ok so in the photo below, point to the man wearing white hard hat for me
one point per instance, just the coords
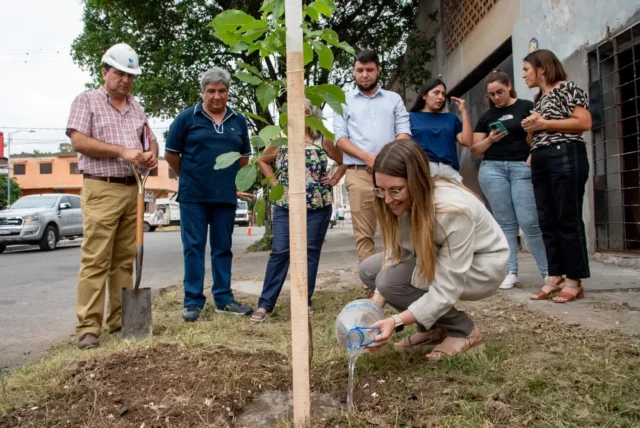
(110, 132)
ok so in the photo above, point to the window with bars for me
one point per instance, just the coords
(19, 169)
(460, 17)
(46, 168)
(614, 89)
(73, 168)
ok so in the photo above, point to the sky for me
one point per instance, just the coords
(38, 78)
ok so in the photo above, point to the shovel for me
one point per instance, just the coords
(136, 301)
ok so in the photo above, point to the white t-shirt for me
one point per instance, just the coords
(340, 212)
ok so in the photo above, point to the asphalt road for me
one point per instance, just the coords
(38, 289)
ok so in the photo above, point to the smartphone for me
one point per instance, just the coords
(498, 127)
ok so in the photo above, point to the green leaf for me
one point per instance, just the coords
(347, 48)
(322, 8)
(334, 90)
(276, 193)
(226, 160)
(270, 132)
(258, 210)
(231, 20)
(330, 4)
(317, 125)
(331, 94)
(266, 94)
(324, 54)
(248, 78)
(238, 47)
(278, 8)
(312, 12)
(227, 38)
(279, 142)
(246, 178)
(255, 117)
(284, 120)
(307, 51)
(331, 37)
(266, 180)
(250, 68)
(257, 142)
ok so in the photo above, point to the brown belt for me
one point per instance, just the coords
(357, 167)
(129, 181)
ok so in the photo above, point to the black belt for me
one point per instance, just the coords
(129, 181)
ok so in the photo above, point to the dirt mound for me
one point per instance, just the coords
(158, 387)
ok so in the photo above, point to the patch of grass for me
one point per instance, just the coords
(262, 244)
(559, 375)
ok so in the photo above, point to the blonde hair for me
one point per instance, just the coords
(406, 159)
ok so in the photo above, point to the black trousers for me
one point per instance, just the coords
(559, 174)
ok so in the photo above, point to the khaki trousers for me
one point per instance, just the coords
(363, 215)
(108, 251)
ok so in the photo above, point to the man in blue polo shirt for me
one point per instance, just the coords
(207, 196)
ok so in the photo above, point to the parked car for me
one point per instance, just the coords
(41, 220)
(242, 213)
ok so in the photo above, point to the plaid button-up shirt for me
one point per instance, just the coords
(93, 115)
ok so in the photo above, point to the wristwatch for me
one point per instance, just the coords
(399, 324)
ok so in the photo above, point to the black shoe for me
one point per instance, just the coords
(235, 308)
(191, 313)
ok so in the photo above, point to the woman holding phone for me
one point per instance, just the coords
(505, 176)
(438, 132)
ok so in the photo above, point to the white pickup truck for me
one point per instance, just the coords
(171, 217)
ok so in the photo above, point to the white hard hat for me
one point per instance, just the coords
(122, 57)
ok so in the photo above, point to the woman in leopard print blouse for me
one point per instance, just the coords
(559, 172)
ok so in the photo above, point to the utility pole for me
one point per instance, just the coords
(31, 131)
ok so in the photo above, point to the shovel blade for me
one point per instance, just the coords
(136, 313)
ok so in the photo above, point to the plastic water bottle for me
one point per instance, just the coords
(353, 325)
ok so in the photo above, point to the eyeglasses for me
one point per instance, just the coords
(394, 193)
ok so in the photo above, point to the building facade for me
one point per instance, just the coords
(599, 45)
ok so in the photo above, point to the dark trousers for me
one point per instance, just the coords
(278, 265)
(195, 219)
(559, 174)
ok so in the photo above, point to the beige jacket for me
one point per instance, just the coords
(472, 253)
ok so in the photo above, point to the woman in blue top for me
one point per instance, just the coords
(438, 131)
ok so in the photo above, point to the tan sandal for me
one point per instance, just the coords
(570, 293)
(452, 346)
(367, 292)
(548, 290)
(423, 338)
(258, 316)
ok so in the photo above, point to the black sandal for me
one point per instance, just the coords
(258, 316)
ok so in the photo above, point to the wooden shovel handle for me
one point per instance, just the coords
(140, 220)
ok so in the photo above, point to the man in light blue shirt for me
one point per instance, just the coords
(373, 117)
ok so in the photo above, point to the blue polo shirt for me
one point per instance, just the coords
(199, 140)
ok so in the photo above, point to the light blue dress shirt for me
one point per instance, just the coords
(371, 122)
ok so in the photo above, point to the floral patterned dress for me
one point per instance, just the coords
(318, 195)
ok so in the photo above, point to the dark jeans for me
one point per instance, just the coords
(278, 266)
(559, 174)
(195, 218)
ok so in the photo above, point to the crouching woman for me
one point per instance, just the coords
(440, 246)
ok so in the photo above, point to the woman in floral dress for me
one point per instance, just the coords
(319, 192)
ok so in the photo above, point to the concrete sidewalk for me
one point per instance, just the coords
(612, 294)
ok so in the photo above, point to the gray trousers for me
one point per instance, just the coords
(394, 284)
